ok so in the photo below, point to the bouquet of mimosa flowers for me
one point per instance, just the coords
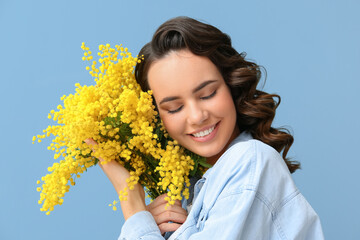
(122, 119)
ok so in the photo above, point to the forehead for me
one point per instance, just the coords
(180, 72)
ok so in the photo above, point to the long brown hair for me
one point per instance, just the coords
(255, 108)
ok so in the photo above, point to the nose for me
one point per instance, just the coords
(197, 114)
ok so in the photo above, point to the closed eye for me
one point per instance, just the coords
(202, 98)
(175, 111)
(209, 96)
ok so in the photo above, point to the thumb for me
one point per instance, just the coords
(90, 142)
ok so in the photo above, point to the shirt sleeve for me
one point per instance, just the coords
(298, 220)
(141, 225)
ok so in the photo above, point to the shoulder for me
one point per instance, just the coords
(247, 160)
(249, 151)
(252, 175)
(251, 165)
(245, 150)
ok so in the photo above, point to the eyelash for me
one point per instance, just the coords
(208, 97)
(175, 111)
(202, 98)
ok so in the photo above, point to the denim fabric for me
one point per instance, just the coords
(247, 194)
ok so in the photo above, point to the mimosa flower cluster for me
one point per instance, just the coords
(123, 121)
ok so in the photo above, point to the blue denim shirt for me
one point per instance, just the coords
(247, 194)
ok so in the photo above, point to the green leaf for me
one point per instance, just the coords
(205, 164)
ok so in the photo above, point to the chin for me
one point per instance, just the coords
(206, 152)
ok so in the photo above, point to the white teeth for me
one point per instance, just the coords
(204, 133)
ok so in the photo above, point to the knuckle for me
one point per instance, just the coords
(168, 214)
(170, 208)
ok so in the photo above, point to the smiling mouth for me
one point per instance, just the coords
(205, 132)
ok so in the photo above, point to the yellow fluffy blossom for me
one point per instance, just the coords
(121, 118)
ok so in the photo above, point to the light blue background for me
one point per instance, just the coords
(310, 48)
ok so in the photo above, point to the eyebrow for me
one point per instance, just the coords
(198, 88)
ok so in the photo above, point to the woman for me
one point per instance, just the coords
(205, 92)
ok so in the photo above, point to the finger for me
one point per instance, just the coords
(116, 173)
(160, 200)
(162, 208)
(168, 227)
(168, 216)
(90, 141)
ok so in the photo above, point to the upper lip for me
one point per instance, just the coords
(203, 129)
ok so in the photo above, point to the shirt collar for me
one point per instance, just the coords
(243, 136)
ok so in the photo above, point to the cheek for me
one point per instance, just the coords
(171, 124)
(225, 105)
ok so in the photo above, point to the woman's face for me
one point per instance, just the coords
(194, 103)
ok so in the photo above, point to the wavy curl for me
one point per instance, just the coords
(255, 109)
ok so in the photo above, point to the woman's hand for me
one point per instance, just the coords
(174, 213)
(117, 175)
